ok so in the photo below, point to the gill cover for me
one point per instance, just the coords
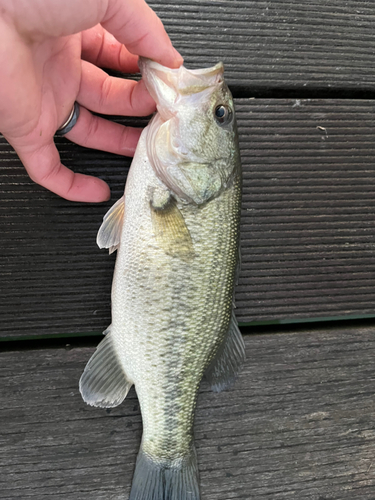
(189, 151)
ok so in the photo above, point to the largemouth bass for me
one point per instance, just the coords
(176, 231)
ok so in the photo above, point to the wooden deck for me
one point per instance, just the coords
(298, 424)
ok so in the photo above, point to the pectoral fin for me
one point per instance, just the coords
(170, 229)
(103, 382)
(109, 234)
(224, 369)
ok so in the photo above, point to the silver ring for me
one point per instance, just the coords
(70, 122)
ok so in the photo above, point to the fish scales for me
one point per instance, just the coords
(172, 318)
(174, 311)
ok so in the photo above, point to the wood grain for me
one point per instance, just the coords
(308, 224)
(283, 47)
(297, 424)
(308, 209)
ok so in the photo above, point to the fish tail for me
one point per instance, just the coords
(161, 480)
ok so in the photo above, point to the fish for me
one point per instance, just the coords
(177, 234)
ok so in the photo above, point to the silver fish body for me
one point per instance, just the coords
(177, 235)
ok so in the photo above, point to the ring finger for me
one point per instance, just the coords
(95, 132)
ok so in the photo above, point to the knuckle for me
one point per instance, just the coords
(105, 91)
(41, 167)
(91, 131)
(124, 138)
(43, 176)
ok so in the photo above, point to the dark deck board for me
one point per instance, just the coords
(308, 224)
(297, 424)
(283, 46)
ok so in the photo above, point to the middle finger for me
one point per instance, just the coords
(108, 95)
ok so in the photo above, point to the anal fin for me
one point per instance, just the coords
(103, 382)
(224, 368)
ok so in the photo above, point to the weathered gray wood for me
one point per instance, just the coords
(308, 209)
(308, 224)
(297, 424)
(279, 47)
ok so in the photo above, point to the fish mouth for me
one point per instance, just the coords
(181, 80)
(145, 63)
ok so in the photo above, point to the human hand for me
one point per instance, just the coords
(50, 54)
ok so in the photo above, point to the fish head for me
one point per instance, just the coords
(192, 140)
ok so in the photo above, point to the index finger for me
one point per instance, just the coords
(137, 26)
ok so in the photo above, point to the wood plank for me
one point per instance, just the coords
(278, 47)
(297, 424)
(307, 224)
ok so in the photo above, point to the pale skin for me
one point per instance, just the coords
(51, 53)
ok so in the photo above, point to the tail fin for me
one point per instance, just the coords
(176, 480)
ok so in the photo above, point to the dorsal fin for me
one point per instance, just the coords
(109, 233)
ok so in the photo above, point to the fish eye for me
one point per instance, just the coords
(223, 114)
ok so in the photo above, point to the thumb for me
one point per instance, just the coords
(44, 167)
